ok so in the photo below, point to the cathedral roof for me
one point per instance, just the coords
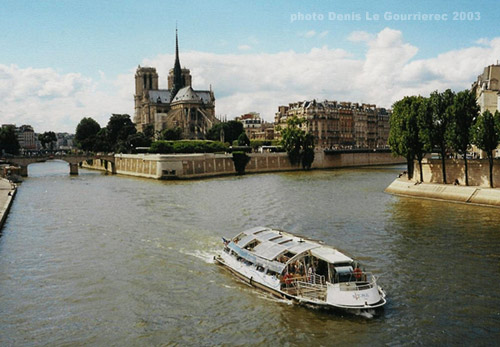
(187, 94)
(205, 95)
(164, 95)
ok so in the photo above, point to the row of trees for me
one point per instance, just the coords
(446, 123)
(119, 135)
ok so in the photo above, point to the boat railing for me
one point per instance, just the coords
(316, 279)
(311, 290)
(364, 281)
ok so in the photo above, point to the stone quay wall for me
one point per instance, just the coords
(447, 192)
(7, 193)
(189, 166)
(479, 174)
(478, 192)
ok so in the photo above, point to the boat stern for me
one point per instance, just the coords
(355, 295)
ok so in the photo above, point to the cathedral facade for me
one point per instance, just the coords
(177, 106)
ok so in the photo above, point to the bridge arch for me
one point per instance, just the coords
(73, 160)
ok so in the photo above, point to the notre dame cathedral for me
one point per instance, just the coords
(178, 106)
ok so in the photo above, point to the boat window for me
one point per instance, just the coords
(289, 255)
(271, 273)
(275, 238)
(260, 268)
(342, 273)
(252, 245)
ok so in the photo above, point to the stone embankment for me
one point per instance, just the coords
(7, 193)
(194, 166)
(447, 192)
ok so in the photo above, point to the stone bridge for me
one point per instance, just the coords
(73, 160)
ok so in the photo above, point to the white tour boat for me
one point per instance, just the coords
(301, 269)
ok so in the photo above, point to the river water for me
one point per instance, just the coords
(112, 260)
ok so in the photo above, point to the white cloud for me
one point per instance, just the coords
(249, 81)
(244, 47)
(360, 36)
(312, 33)
(483, 41)
(49, 100)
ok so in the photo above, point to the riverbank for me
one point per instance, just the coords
(463, 194)
(7, 193)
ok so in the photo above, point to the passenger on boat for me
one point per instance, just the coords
(358, 273)
(310, 274)
(299, 268)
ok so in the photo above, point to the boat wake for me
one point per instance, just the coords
(206, 256)
(365, 313)
(269, 297)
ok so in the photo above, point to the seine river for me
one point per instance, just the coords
(111, 260)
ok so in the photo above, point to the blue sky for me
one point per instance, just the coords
(71, 49)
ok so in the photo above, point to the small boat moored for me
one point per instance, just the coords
(297, 268)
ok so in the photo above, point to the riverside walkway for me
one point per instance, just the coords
(448, 192)
(7, 193)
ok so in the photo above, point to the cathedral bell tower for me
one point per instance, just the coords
(146, 79)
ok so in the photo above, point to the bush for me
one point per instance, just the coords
(243, 140)
(240, 160)
(240, 149)
(162, 147)
(255, 144)
(196, 146)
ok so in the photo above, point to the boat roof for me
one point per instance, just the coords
(273, 243)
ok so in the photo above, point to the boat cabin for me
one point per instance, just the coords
(292, 258)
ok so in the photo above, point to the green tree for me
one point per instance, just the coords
(119, 128)
(441, 104)
(138, 140)
(86, 132)
(48, 138)
(243, 140)
(464, 112)
(8, 140)
(297, 142)
(240, 160)
(406, 138)
(101, 142)
(233, 131)
(149, 131)
(171, 134)
(307, 151)
(229, 131)
(486, 135)
(424, 124)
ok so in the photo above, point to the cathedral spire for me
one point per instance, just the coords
(178, 80)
